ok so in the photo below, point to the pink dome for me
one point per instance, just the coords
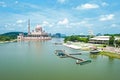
(38, 28)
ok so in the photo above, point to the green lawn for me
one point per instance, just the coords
(113, 55)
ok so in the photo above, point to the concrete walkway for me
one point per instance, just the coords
(112, 49)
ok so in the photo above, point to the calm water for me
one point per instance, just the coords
(35, 60)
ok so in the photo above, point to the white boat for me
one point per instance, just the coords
(94, 51)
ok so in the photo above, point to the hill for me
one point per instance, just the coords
(10, 36)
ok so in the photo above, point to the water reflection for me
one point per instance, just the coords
(111, 59)
(93, 56)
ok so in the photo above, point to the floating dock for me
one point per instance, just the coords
(82, 62)
(62, 54)
(74, 57)
(76, 54)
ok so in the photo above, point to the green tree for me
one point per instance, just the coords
(75, 38)
(117, 43)
(111, 41)
(5, 38)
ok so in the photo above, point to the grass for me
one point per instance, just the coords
(113, 55)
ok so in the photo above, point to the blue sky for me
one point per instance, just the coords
(64, 16)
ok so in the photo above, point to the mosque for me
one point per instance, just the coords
(37, 34)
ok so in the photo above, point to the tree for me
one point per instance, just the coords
(111, 40)
(5, 38)
(118, 43)
(75, 38)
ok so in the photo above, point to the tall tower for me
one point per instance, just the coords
(28, 26)
(91, 34)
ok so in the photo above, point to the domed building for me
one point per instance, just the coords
(36, 34)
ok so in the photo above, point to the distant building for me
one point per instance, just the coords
(100, 40)
(59, 35)
(99, 34)
(37, 34)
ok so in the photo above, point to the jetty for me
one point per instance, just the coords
(74, 57)
(58, 43)
(63, 54)
(75, 54)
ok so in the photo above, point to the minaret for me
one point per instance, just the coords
(28, 26)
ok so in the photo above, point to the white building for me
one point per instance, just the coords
(100, 40)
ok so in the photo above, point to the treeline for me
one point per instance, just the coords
(5, 38)
(76, 38)
(112, 34)
(10, 36)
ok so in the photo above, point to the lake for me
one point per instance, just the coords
(35, 60)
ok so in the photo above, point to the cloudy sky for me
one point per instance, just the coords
(64, 16)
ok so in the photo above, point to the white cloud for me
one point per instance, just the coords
(45, 23)
(20, 21)
(63, 22)
(9, 26)
(61, 1)
(87, 6)
(34, 6)
(113, 25)
(104, 4)
(16, 2)
(51, 25)
(106, 17)
(82, 23)
(3, 4)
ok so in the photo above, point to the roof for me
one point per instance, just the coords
(101, 38)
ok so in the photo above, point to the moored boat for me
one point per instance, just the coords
(61, 53)
(82, 62)
(94, 51)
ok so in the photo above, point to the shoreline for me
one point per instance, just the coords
(89, 46)
(2, 42)
(110, 54)
(106, 51)
(79, 45)
(71, 46)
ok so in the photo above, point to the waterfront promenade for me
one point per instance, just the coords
(112, 49)
(88, 46)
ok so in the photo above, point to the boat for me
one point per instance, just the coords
(83, 62)
(95, 51)
(58, 43)
(61, 53)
